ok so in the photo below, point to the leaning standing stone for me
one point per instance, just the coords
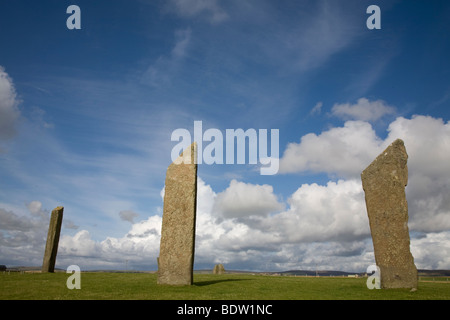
(176, 256)
(51, 247)
(384, 182)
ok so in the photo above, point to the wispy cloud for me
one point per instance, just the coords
(160, 73)
(322, 30)
(317, 109)
(323, 34)
(210, 10)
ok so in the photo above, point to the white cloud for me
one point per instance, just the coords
(242, 200)
(342, 151)
(432, 251)
(140, 246)
(80, 245)
(323, 213)
(364, 110)
(346, 151)
(146, 228)
(22, 237)
(427, 142)
(9, 112)
(331, 213)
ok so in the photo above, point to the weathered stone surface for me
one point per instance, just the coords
(176, 256)
(51, 247)
(218, 269)
(384, 182)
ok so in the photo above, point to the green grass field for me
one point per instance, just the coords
(139, 286)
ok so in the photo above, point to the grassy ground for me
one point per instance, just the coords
(138, 286)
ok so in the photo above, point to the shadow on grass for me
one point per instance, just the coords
(210, 282)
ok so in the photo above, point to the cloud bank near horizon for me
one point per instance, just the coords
(249, 226)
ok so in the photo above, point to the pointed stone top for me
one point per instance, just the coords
(189, 155)
(396, 147)
(389, 167)
(397, 144)
(394, 154)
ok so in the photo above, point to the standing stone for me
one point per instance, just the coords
(218, 269)
(176, 256)
(51, 248)
(384, 182)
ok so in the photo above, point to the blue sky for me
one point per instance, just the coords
(86, 118)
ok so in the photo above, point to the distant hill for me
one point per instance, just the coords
(321, 273)
(327, 273)
(29, 269)
(434, 273)
(309, 273)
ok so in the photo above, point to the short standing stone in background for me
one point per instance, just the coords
(51, 247)
(384, 182)
(176, 256)
(218, 269)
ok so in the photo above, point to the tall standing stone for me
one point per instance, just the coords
(384, 182)
(51, 247)
(176, 256)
